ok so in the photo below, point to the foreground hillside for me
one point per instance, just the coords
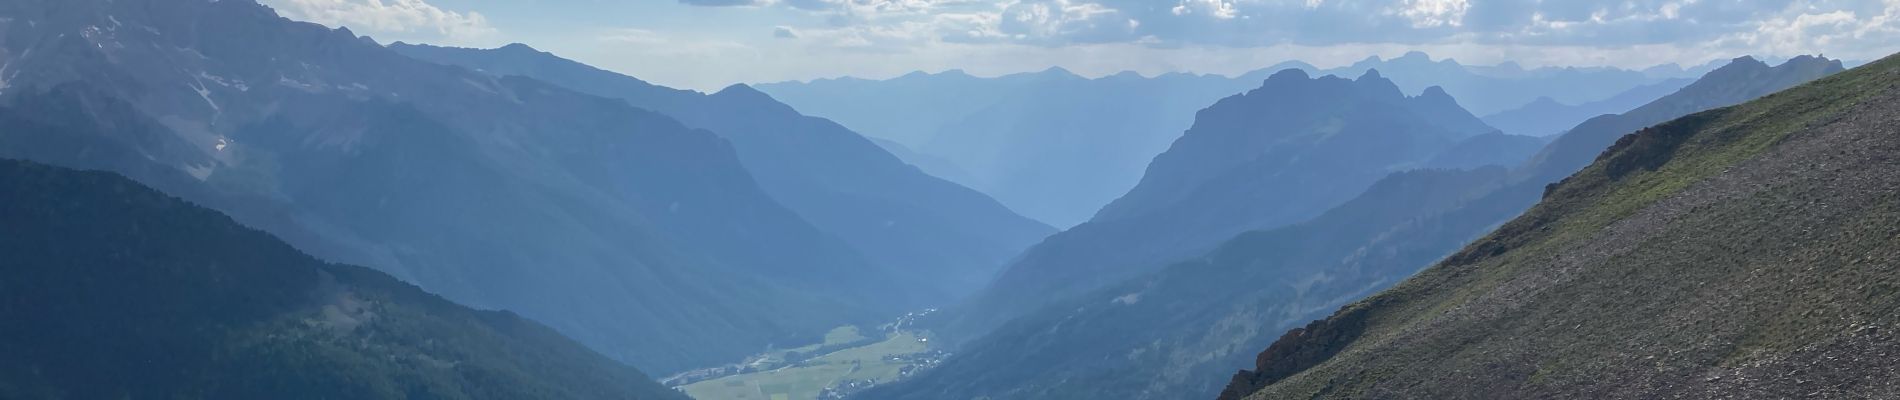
(1747, 251)
(114, 290)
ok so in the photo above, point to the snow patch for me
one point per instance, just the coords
(205, 93)
(480, 86)
(202, 172)
(1127, 299)
(300, 85)
(225, 82)
(6, 78)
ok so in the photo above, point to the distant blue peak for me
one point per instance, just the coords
(1289, 73)
(1058, 71)
(740, 90)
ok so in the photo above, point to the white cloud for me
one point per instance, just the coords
(1065, 20)
(769, 40)
(1805, 30)
(396, 19)
(1433, 13)
(1220, 9)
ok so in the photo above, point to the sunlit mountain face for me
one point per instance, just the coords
(970, 199)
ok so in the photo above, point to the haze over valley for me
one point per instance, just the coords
(948, 200)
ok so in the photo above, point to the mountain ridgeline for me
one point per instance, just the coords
(1184, 326)
(1052, 145)
(204, 199)
(1742, 251)
(944, 239)
(1057, 147)
(114, 290)
(1274, 156)
(639, 236)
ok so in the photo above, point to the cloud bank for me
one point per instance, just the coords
(1739, 25)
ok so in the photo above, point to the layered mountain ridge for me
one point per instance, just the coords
(1274, 156)
(635, 234)
(1742, 251)
(1180, 325)
(1057, 147)
(934, 234)
(117, 291)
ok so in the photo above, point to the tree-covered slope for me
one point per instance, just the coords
(1747, 251)
(113, 290)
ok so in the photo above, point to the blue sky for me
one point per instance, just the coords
(708, 44)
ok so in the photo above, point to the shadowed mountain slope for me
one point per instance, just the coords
(1186, 326)
(620, 227)
(1057, 147)
(1547, 117)
(943, 240)
(1274, 156)
(114, 290)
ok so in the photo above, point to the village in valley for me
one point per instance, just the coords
(850, 360)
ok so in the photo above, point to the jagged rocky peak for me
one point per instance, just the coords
(1377, 85)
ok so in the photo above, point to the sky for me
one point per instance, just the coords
(710, 44)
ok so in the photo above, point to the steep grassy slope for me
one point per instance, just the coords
(1747, 251)
(114, 290)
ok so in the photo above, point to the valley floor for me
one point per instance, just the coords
(847, 362)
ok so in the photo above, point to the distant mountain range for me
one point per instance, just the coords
(938, 239)
(1547, 117)
(1274, 156)
(1057, 147)
(646, 239)
(1184, 326)
(1741, 251)
(114, 290)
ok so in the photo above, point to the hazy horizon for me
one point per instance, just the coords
(710, 44)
